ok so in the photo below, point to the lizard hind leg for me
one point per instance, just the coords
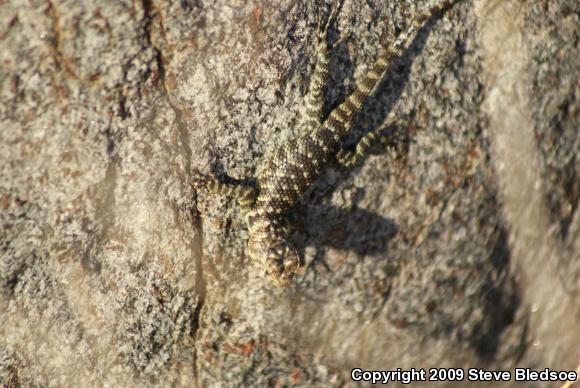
(349, 159)
(369, 141)
(314, 100)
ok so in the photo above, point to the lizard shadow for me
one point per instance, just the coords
(354, 229)
(365, 233)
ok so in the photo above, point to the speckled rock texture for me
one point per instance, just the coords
(461, 249)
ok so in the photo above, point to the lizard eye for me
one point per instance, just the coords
(275, 252)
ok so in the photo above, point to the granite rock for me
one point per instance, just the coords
(462, 249)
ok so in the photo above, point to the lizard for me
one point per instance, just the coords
(296, 164)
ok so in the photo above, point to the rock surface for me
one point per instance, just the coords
(460, 250)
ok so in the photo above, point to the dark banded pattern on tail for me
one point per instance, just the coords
(340, 120)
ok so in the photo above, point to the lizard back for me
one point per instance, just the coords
(292, 170)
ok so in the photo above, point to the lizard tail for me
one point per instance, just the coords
(341, 118)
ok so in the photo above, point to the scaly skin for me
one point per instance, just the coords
(299, 162)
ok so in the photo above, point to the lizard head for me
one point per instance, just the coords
(282, 263)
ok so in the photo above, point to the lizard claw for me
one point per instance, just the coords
(200, 181)
(323, 26)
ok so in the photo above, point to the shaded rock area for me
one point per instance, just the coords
(460, 249)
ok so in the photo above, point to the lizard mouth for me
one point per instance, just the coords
(282, 264)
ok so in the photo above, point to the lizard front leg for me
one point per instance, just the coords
(244, 194)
